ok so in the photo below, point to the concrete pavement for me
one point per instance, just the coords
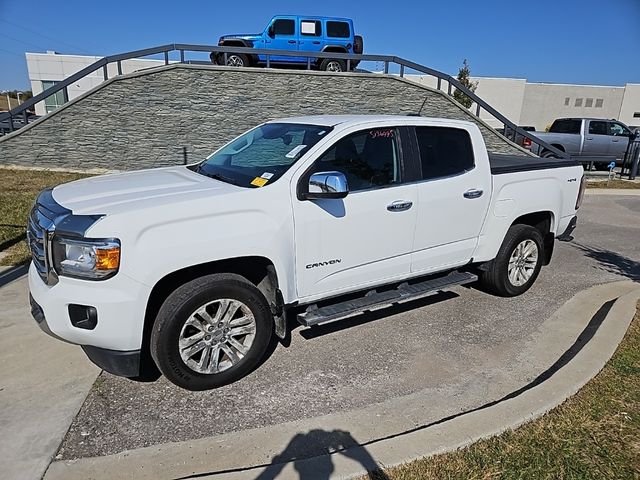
(43, 384)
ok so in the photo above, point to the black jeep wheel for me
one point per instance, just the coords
(211, 331)
(236, 60)
(333, 65)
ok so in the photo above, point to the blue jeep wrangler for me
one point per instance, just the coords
(295, 33)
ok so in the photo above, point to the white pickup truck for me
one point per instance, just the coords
(193, 269)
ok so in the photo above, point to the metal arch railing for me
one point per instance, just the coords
(387, 60)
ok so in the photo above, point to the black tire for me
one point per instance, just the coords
(495, 278)
(358, 44)
(236, 60)
(601, 167)
(333, 65)
(182, 304)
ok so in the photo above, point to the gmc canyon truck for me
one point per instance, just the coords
(194, 269)
(295, 33)
(597, 140)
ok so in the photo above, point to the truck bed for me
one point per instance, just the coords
(501, 163)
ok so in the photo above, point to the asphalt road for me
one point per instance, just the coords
(465, 348)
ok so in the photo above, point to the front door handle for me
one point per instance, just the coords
(292, 41)
(473, 193)
(316, 42)
(399, 206)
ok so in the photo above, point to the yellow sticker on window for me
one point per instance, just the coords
(259, 182)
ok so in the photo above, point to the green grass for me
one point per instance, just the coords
(18, 189)
(593, 435)
(616, 183)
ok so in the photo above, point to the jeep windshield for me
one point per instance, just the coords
(262, 155)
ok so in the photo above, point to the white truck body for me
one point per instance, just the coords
(171, 219)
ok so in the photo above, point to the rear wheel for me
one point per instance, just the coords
(549, 154)
(211, 331)
(517, 264)
(333, 65)
(236, 60)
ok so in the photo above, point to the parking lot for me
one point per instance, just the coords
(457, 350)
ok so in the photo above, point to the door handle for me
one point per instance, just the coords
(589, 138)
(316, 42)
(473, 193)
(399, 206)
(292, 41)
(615, 140)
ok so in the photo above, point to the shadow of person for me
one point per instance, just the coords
(319, 444)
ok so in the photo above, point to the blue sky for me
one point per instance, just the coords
(557, 41)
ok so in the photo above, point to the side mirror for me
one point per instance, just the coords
(270, 31)
(327, 185)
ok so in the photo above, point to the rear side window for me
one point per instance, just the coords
(566, 126)
(284, 26)
(444, 151)
(598, 128)
(338, 30)
(311, 28)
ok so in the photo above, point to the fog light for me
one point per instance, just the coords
(83, 316)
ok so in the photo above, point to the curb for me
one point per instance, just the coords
(595, 320)
(613, 191)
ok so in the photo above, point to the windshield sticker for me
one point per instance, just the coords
(381, 133)
(259, 182)
(267, 175)
(295, 151)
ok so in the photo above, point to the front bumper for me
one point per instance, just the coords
(120, 303)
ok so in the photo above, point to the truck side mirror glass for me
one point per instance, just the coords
(327, 185)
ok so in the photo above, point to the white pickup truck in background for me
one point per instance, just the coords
(194, 269)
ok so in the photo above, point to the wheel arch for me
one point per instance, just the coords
(259, 270)
(544, 222)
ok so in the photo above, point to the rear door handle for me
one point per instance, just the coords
(316, 42)
(292, 41)
(473, 193)
(399, 206)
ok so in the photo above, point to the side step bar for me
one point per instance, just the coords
(374, 300)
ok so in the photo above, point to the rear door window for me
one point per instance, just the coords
(566, 126)
(284, 26)
(338, 29)
(444, 151)
(312, 28)
(598, 128)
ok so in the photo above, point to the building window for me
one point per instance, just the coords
(599, 102)
(53, 101)
(636, 114)
(588, 102)
(566, 101)
(578, 102)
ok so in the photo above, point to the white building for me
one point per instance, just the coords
(524, 103)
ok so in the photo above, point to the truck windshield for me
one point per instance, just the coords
(262, 155)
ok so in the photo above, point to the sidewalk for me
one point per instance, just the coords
(43, 384)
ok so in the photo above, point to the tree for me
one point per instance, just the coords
(463, 77)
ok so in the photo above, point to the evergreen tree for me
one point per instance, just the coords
(463, 77)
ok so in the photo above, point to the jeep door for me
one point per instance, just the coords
(310, 38)
(282, 34)
(453, 196)
(362, 239)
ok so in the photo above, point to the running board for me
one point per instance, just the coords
(374, 300)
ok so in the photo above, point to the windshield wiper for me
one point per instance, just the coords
(217, 176)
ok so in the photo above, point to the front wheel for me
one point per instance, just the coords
(211, 331)
(333, 65)
(517, 264)
(236, 60)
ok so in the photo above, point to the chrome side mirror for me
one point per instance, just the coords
(327, 185)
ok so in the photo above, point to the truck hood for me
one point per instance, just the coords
(110, 194)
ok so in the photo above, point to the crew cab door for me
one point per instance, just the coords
(282, 34)
(596, 138)
(453, 196)
(362, 239)
(619, 136)
(310, 38)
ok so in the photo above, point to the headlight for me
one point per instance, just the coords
(85, 258)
